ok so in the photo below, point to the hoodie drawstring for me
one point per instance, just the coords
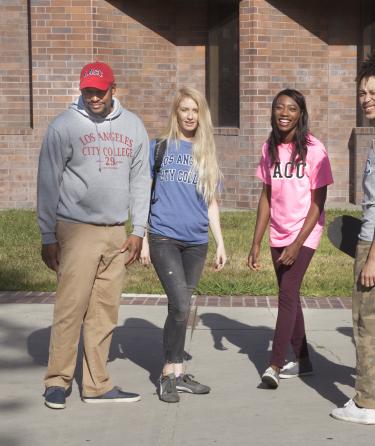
(100, 147)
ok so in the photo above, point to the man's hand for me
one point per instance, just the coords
(368, 273)
(133, 245)
(51, 255)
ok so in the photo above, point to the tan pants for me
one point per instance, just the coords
(90, 280)
(364, 332)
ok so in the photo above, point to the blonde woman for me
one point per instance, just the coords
(183, 208)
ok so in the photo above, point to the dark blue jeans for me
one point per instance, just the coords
(179, 266)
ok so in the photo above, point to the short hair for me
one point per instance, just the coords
(366, 68)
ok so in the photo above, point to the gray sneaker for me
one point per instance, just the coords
(295, 369)
(186, 383)
(271, 378)
(167, 389)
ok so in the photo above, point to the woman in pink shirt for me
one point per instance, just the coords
(295, 171)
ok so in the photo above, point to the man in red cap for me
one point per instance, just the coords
(93, 169)
(96, 79)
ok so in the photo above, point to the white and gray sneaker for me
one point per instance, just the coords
(295, 369)
(186, 383)
(271, 378)
(351, 412)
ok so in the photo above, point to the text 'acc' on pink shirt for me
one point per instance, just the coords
(291, 191)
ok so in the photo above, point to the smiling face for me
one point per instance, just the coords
(187, 117)
(366, 95)
(98, 102)
(286, 115)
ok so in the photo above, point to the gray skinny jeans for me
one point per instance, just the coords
(179, 266)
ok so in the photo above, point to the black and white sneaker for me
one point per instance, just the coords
(186, 383)
(54, 397)
(167, 389)
(295, 369)
(116, 395)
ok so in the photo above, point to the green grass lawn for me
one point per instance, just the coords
(330, 273)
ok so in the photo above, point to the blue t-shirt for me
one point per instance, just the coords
(179, 212)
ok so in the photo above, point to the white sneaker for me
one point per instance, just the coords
(350, 412)
(295, 369)
(271, 378)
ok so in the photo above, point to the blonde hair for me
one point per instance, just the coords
(205, 163)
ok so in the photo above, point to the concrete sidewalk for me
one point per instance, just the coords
(229, 348)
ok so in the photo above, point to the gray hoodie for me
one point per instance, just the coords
(368, 203)
(93, 170)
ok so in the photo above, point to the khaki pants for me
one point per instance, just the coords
(90, 280)
(364, 332)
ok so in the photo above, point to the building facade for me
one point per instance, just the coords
(239, 53)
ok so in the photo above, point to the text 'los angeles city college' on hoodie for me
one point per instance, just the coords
(93, 170)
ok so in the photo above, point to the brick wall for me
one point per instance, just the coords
(61, 43)
(310, 47)
(14, 65)
(155, 47)
(144, 62)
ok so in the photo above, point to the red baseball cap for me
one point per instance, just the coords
(96, 75)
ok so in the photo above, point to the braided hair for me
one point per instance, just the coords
(301, 135)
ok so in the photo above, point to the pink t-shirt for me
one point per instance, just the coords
(291, 191)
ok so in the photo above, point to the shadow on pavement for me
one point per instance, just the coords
(8, 441)
(13, 337)
(141, 342)
(38, 347)
(138, 340)
(347, 331)
(254, 341)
